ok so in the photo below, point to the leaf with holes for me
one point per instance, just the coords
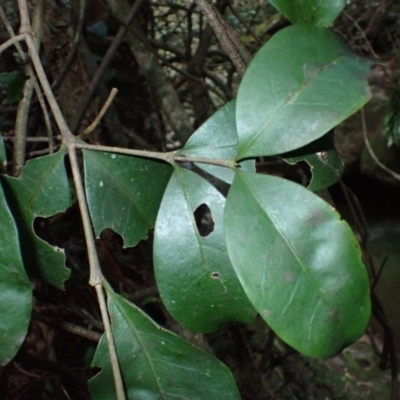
(317, 12)
(41, 190)
(124, 193)
(325, 162)
(15, 288)
(299, 264)
(194, 275)
(302, 83)
(155, 363)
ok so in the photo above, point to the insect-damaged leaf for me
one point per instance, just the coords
(325, 163)
(41, 190)
(302, 83)
(155, 363)
(194, 275)
(124, 193)
(299, 264)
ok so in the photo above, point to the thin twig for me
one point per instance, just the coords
(55, 108)
(219, 82)
(371, 152)
(12, 41)
(21, 122)
(68, 327)
(30, 374)
(110, 342)
(32, 76)
(37, 139)
(378, 275)
(36, 153)
(357, 25)
(149, 43)
(103, 66)
(222, 163)
(167, 157)
(96, 276)
(100, 115)
(244, 23)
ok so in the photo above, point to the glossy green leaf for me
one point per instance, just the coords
(302, 83)
(15, 288)
(124, 193)
(317, 12)
(299, 264)
(325, 163)
(155, 363)
(217, 139)
(41, 190)
(194, 276)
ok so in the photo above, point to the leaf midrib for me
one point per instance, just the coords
(243, 150)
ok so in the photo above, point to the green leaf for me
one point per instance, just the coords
(124, 193)
(14, 82)
(226, 174)
(217, 139)
(299, 264)
(302, 83)
(155, 363)
(317, 12)
(41, 190)
(15, 288)
(194, 275)
(325, 162)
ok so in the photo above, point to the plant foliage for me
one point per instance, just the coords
(156, 363)
(273, 247)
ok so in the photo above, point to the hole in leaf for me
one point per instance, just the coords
(204, 221)
(155, 312)
(215, 275)
(300, 172)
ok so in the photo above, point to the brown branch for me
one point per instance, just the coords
(68, 327)
(12, 41)
(21, 122)
(100, 115)
(37, 139)
(227, 36)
